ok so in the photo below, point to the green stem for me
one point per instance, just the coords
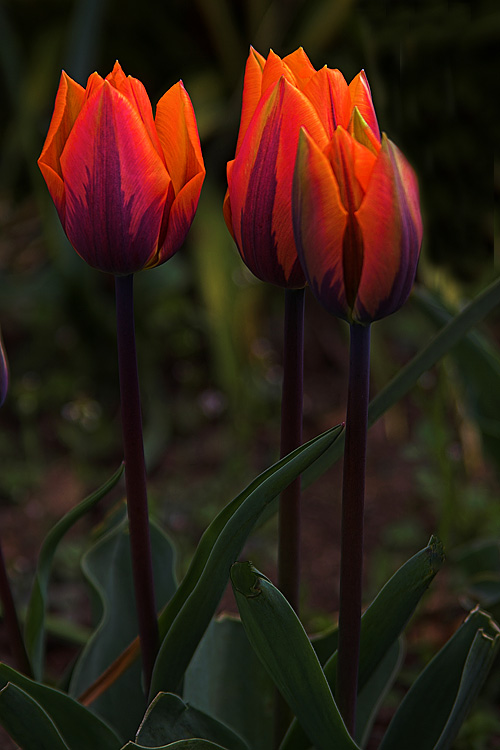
(353, 493)
(291, 438)
(11, 620)
(135, 476)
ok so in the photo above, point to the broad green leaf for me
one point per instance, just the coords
(169, 718)
(446, 338)
(26, 721)
(478, 365)
(375, 689)
(193, 744)
(382, 623)
(108, 569)
(285, 650)
(227, 680)
(450, 679)
(79, 727)
(479, 661)
(190, 610)
(35, 616)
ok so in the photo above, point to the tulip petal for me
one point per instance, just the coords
(135, 92)
(252, 91)
(116, 185)
(178, 133)
(262, 184)
(69, 101)
(328, 92)
(180, 218)
(361, 97)
(319, 221)
(300, 65)
(392, 231)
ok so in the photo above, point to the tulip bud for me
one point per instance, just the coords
(356, 220)
(126, 186)
(279, 97)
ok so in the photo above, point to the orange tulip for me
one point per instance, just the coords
(357, 221)
(126, 186)
(279, 97)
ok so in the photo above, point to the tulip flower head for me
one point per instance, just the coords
(279, 97)
(126, 186)
(356, 220)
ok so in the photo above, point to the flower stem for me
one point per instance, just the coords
(11, 621)
(291, 438)
(135, 476)
(353, 492)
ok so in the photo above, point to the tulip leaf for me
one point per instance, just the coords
(285, 650)
(190, 610)
(382, 623)
(190, 744)
(79, 727)
(444, 340)
(478, 366)
(26, 722)
(227, 680)
(432, 711)
(35, 616)
(108, 569)
(169, 718)
(375, 690)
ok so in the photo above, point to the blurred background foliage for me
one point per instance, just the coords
(209, 334)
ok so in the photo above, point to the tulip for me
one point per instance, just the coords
(356, 221)
(126, 186)
(279, 97)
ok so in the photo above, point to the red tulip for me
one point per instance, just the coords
(356, 221)
(280, 97)
(126, 186)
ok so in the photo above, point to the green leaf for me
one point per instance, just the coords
(479, 661)
(169, 718)
(79, 727)
(382, 623)
(26, 721)
(285, 650)
(108, 569)
(36, 613)
(190, 610)
(194, 744)
(436, 704)
(478, 365)
(375, 689)
(447, 337)
(227, 680)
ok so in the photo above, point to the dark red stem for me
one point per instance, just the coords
(291, 438)
(135, 476)
(353, 494)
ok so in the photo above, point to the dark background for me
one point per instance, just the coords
(209, 334)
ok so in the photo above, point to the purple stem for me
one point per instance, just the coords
(11, 621)
(291, 438)
(135, 476)
(353, 493)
